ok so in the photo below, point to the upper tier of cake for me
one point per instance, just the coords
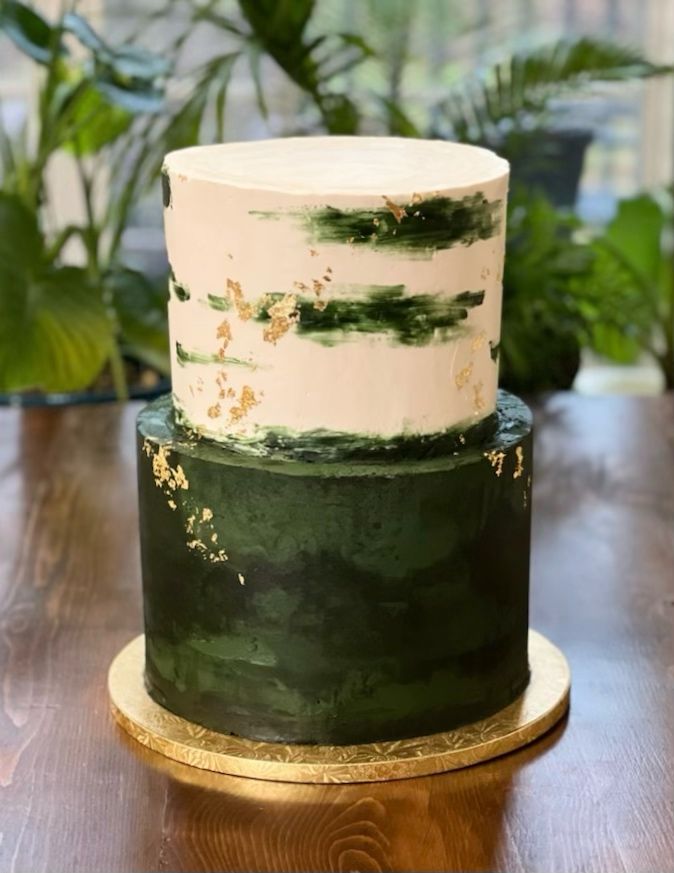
(334, 288)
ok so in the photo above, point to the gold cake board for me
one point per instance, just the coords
(542, 704)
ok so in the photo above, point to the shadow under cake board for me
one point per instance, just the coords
(542, 704)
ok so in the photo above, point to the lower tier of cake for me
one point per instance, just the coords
(337, 602)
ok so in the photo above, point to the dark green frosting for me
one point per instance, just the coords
(418, 227)
(180, 292)
(358, 601)
(166, 189)
(413, 320)
(281, 443)
(219, 302)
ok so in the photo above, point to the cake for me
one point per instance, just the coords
(335, 499)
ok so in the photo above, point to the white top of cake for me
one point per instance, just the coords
(341, 165)
(348, 285)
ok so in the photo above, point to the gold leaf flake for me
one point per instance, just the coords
(284, 313)
(224, 333)
(463, 376)
(165, 477)
(478, 399)
(199, 524)
(244, 310)
(398, 212)
(217, 557)
(181, 478)
(247, 400)
(519, 468)
(242, 579)
(496, 460)
(478, 341)
(214, 411)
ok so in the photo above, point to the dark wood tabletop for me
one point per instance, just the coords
(595, 794)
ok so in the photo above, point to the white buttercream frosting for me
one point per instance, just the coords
(243, 245)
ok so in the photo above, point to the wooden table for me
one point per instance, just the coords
(596, 794)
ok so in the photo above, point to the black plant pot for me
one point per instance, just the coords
(550, 161)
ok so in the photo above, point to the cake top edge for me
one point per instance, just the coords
(340, 165)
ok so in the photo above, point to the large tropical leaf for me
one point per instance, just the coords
(54, 331)
(94, 123)
(140, 305)
(633, 273)
(129, 61)
(137, 97)
(76, 24)
(524, 84)
(28, 30)
(129, 75)
(635, 235)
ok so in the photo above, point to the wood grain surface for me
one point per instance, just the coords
(596, 794)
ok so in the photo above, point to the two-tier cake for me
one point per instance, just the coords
(335, 501)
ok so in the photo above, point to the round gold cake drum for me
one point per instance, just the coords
(544, 702)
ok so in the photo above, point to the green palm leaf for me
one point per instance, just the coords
(524, 84)
(279, 29)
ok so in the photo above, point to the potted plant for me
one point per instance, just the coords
(546, 286)
(634, 273)
(85, 330)
(93, 322)
(513, 107)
